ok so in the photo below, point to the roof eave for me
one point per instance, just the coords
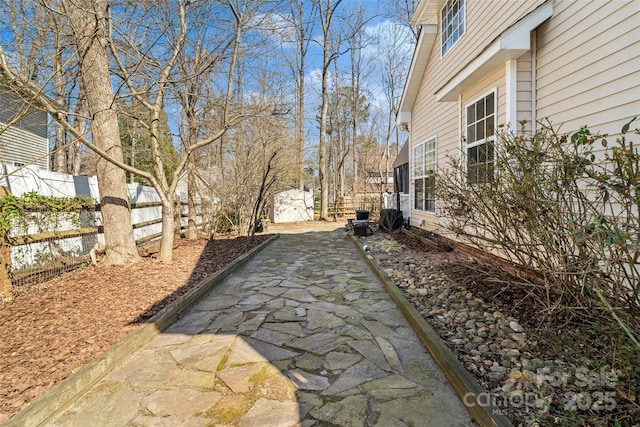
(511, 44)
(426, 12)
(417, 68)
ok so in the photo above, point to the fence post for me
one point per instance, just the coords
(6, 289)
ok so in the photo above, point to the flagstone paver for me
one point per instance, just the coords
(303, 335)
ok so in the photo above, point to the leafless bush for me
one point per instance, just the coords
(565, 209)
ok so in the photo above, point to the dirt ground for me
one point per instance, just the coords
(58, 326)
(303, 227)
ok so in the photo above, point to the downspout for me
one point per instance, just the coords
(461, 140)
(511, 118)
(534, 81)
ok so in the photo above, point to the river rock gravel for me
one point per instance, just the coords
(493, 345)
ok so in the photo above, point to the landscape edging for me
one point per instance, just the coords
(465, 386)
(71, 388)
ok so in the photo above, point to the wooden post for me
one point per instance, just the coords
(6, 288)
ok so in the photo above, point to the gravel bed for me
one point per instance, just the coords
(494, 346)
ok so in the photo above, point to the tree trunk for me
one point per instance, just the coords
(60, 164)
(80, 123)
(322, 145)
(300, 119)
(168, 221)
(177, 216)
(322, 163)
(132, 159)
(60, 156)
(87, 20)
(77, 158)
(326, 15)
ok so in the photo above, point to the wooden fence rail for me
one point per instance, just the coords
(36, 244)
(56, 260)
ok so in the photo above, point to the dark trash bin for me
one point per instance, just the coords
(362, 214)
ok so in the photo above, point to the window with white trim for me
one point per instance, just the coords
(424, 178)
(452, 23)
(480, 139)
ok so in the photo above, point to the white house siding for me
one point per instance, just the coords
(26, 140)
(583, 69)
(525, 94)
(588, 65)
(485, 21)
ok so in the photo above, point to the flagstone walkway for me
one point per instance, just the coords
(303, 335)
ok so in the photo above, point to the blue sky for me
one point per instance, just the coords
(378, 28)
(379, 32)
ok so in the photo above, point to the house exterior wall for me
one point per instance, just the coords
(588, 65)
(525, 92)
(25, 141)
(485, 21)
(582, 68)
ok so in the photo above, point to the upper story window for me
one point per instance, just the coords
(480, 139)
(424, 178)
(453, 23)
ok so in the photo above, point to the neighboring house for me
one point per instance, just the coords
(23, 132)
(479, 64)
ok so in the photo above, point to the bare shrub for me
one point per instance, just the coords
(565, 209)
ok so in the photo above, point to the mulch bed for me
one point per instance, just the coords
(54, 328)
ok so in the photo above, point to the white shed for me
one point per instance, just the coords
(292, 206)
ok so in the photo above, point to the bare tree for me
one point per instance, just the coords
(327, 10)
(256, 160)
(360, 69)
(395, 46)
(344, 111)
(87, 20)
(157, 62)
(301, 24)
(158, 75)
(401, 12)
(60, 156)
(196, 69)
(148, 83)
